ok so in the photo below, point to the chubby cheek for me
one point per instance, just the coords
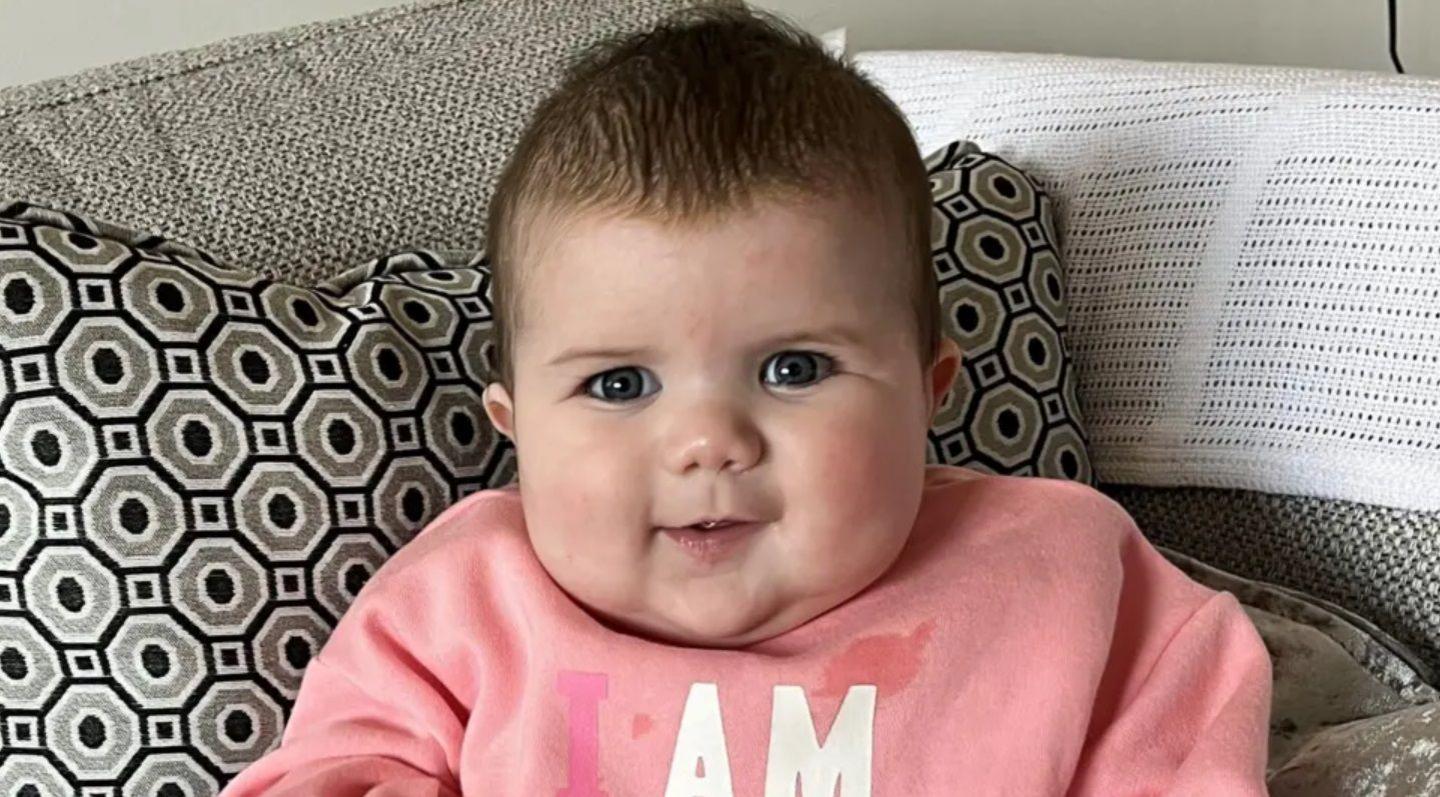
(855, 484)
(584, 503)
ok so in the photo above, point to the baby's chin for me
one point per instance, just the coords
(718, 626)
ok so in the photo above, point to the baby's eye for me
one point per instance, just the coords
(796, 368)
(619, 384)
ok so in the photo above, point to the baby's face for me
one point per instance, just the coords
(761, 368)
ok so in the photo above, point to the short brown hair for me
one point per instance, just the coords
(715, 106)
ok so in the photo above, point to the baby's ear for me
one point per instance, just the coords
(942, 374)
(500, 408)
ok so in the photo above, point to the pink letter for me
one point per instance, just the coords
(585, 690)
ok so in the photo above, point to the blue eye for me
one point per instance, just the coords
(619, 384)
(796, 368)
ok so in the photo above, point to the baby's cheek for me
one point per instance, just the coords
(580, 529)
(583, 499)
(567, 478)
(841, 469)
(598, 482)
(852, 516)
(865, 446)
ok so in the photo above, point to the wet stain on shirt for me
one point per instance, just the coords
(889, 661)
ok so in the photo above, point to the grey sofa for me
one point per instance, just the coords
(304, 151)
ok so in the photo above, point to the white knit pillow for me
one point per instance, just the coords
(1253, 253)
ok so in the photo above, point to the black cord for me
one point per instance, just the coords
(1394, 55)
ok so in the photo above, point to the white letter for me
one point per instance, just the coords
(701, 736)
(794, 750)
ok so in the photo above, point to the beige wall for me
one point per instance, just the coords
(47, 38)
(1342, 34)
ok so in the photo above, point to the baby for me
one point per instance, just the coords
(725, 568)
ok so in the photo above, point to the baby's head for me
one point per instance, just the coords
(711, 254)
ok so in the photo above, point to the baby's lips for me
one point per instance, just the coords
(710, 546)
(711, 521)
(717, 523)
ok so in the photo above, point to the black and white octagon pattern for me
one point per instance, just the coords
(1013, 408)
(199, 469)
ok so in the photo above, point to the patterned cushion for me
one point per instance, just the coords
(1002, 292)
(200, 466)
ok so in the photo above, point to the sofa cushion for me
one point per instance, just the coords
(199, 468)
(320, 144)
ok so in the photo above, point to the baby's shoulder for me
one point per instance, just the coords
(481, 532)
(1013, 496)
(1030, 516)
(1045, 541)
(455, 580)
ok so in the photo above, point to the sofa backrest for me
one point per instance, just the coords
(304, 151)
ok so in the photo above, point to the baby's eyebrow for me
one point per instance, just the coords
(595, 354)
(838, 334)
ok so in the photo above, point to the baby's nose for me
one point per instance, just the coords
(712, 437)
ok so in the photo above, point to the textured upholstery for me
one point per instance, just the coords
(298, 152)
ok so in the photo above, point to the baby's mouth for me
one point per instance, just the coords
(710, 523)
(712, 540)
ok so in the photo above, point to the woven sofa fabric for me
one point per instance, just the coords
(1252, 255)
(1380, 563)
(322, 144)
(1352, 711)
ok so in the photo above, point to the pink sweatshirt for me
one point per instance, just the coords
(1029, 641)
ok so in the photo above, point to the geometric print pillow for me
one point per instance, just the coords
(1013, 408)
(199, 468)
